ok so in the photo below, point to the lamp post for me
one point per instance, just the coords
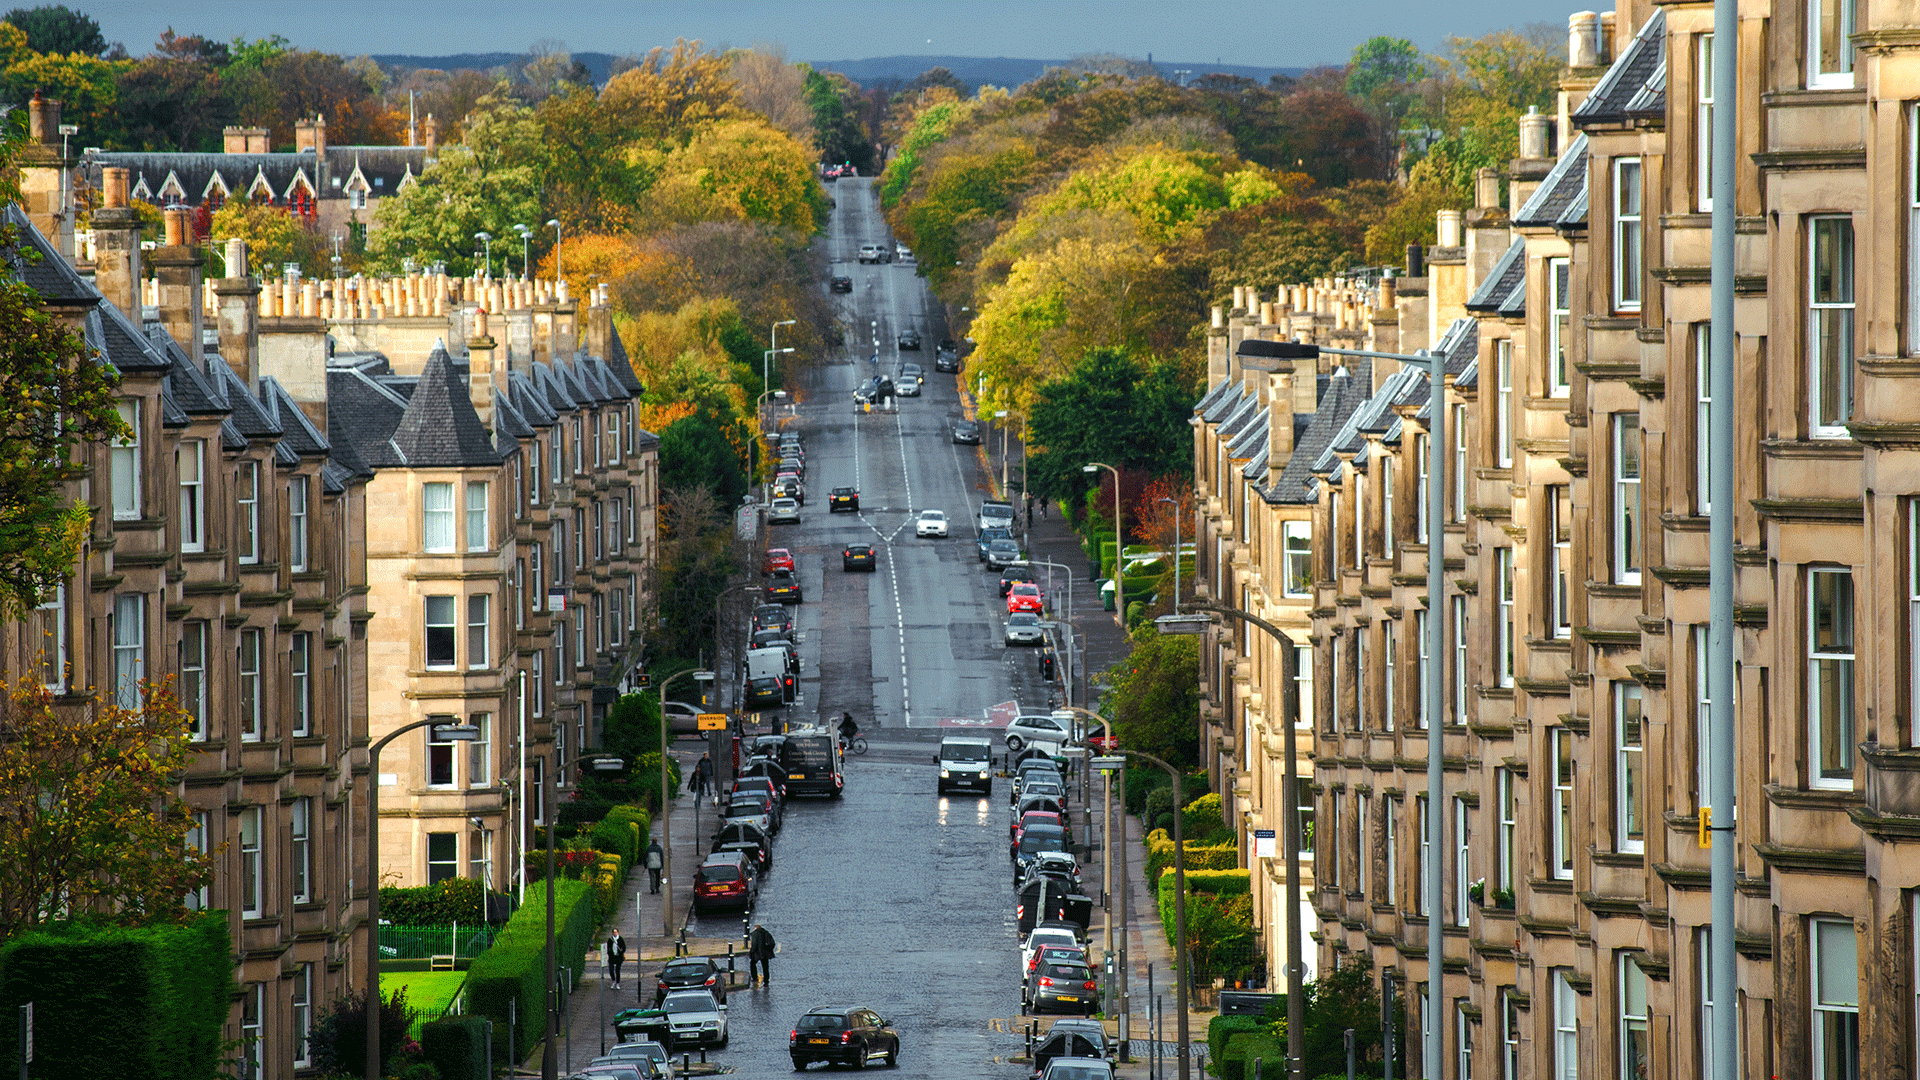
(1290, 833)
(766, 364)
(745, 587)
(447, 733)
(1001, 415)
(773, 346)
(554, 224)
(666, 812)
(1181, 975)
(1116, 894)
(526, 251)
(486, 241)
(1175, 503)
(1119, 569)
(1066, 573)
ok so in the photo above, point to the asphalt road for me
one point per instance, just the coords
(892, 897)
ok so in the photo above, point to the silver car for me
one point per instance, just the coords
(1023, 628)
(783, 512)
(694, 1018)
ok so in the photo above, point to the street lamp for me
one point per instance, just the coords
(446, 733)
(1181, 974)
(1175, 503)
(1289, 711)
(1115, 894)
(666, 815)
(486, 240)
(554, 224)
(1119, 570)
(1001, 415)
(766, 364)
(526, 256)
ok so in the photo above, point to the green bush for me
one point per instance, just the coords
(1204, 822)
(1244, 1047)
(455, 900)
(1159, 809)
(1220, 1027)
(623, 831)
(456, 1047)
(161, 991)
(1140, 784)
(515, 968)
(1159, 847)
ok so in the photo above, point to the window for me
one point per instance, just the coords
(1389, 647)
(124, 464)
(1913, 229)
(477, 515)
(1417, 1019)
(1830, 676)
(1506, 874)
(1331, 864)
(190, 464)
(440, 755)
(599, 530)
(1626, 498)
(538, 676)
(1560, 559)
(1463, 1039)
(253, 1032)
(480, 752)
(1566, 1028)
(1636, 1058)
(478, 653)
(1388, 541)
(536, 576)
(297, 524)
(613, 526)
(196, 841)
(1390, 840)
(1362, 678)
(1459, 463)
(1913, 621)
(193, 675)
(300, 680)
(129, 649)
(539, 785)
(1503, 653)
(1462, 862)
(251, 863)
(1424, 648)
(302, 1015)
(1423, 885)
(599, 441)
(480, 857)
(246, 493)
(1630, 834)
(1626, 234)
(579, 538)
(1560, 746)
(1296, 542)
(633, 590)
(443, 857)
(251, 698)
(519, 604)
(1359, 520)
(440, 632)
(1703, 123)
(519, 490)
(580, 656)
(1702, 717)
(1333, 532)
(436, 509)
(1702, 419)
(1460, 673)
(1830, 44)
(616, 603)
(1559, 326)
(533, 475)
(1830, 324)
(559, 553)
(1422, 450)
(579, 451)
(1303, 684)
(1509, 1035)
(1503, 402)
(300, 856)
(630, 506)
(1362, 843)
(1836, 1001)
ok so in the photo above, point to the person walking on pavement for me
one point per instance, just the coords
(656, 859)
(703, 776)
(616, 955)
(760, 951)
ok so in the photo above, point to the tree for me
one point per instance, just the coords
(56, 28)
(1383, 66)
(90, 819)
(743, 170)
(696, 561)
(174, 99)
(338, 1042)
(775, 89)
(1154, 696)
(1114, 408)
(550, 69)
(274, 237)
(484, 183)
(836, 104)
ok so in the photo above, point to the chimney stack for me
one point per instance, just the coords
(177, 272)
(239, 316)
(44, 176)
(1533, 134)
(1486, 188)
(1447, 229)
(311, 135)
(116, 243)
(431, 133)
(1583, 39)
(485, 369)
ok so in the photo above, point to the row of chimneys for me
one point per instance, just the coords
(412, 296)
(308, 135)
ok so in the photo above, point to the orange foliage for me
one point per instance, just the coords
(659, 417)
(592, 258)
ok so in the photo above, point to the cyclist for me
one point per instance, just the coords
(848, 729)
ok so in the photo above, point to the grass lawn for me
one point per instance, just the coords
(428, 993)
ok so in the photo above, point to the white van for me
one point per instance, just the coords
(966, 761)
(769, 666)
(996, 513)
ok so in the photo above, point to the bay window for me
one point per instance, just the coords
(1629, 827)
(1627, 509)
(1830, 25)
(1560, 750)
(1836, 1000)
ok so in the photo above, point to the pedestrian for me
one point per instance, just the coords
(656, 860)
(761, 949)
(1029, 512)
(703, 776)
(616, 955)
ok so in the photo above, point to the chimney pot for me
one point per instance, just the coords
(176, 222)
(236, 258)
(1533, 134)
(113, 187)
(1486, 188)
(43, 119)
(1448, 229)
(1583, 39)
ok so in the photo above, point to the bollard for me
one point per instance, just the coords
(513, 1030)
(1349, 1054)
(489, 1049)
(730, 968)
(1256, 1068)
(686, 1063)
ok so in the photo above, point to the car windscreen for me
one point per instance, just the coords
(967, 752)
(1042, 838)
(1067, 971)
(1078, 1072)
(698, 970)
(687, 1003)
(720, 873)
(822, 1022)
(745, 808)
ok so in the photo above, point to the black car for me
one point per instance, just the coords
(771, 635)
(859, 557)
(772, 617)
(1014, 575)
(783, 588)
(747, 837)
(943, 361)
(910, 340)
(840, 283)
(851, 1037)
(966, 432)
(765, 693)
(690, 973)
(843, 498)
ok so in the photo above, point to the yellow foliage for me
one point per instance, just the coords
(740, 169)
(657, 417)
(1054, 306)
(590, 256)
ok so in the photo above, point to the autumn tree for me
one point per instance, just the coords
(486, 182)
(274, 237)
(1113, 407)
(1153, 695)
(696, 561)
(837, 105)
(550, 69)
(776, 89)
(90, 821)
(174, 98)
(56, 28)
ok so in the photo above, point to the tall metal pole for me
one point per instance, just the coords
(1126, 973)
(1722, 745)
(1176, 550)
(549, 1054)
(1119, 569)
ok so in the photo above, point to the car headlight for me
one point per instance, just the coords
(943, 774)
(715, 1024)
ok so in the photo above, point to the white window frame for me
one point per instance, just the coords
(441, 750)
(581, 658)
(1359, 519)
(436, 517)
(1362, 670)
(190, 468)
(450, 865)
(1303, 683)
(300, 850)
(1559, 325)
(1566, 1027)
(300, 681)
(1462, 686)
(1423, 884)
(253, 1029)
(1296, 542)
(1702, 717)
(249, 667)
(1560, 555)
(1702, 419)
(1509, 1034)
(252, 863)
(1462, 1039)
(1362, 846)
(1506, 855)
(197, 840)
(1832, 942)
(1389, 700)
(478, 534)
(556, 455)
(1422, 467)
(1840, 76)
(579, 450)
(519, 586)
(193, 676)
(1913, 228)
(533, 475)
(297, 535)
(1420, 718)
(1560, 759)
(537, 678)
(247, 497)
(1629, 770)
(1629, 256)
(129, 649)
(1837, 657)
(1703, 123)
(1831, 305)
(480, 752)
(302, 1015)
(1503, 403)
(479, 631)
(1913, 625)
(125, 467)
(1459, 463)
(536, 574)
(1629, 508)
(440, 613)
(1635, 1020)
(599, 531)
(1462, 861)
(1506, 647)
(1389, 543)
(1390, 841)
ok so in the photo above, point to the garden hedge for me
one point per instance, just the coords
(515, 968)
(1221, 1027)
(457, 1047)
(1244, 1047)
(162, 992)
(1199, 856)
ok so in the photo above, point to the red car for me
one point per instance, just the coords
(777, 559)
(1025, 596)
(1032, 817)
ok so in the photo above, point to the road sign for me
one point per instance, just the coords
(713, 721)
(643, 680)
(1263, 843)
(1115, 762)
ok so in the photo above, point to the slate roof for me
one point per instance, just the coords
(280, 408)
(1469, 377)
(1460, 344)
(1508, 273)
(1650, 101)
(1251, 439)
(439, 427)
(126, 346)
(384, 168)
(1344, 393)
(1214, 399)
(44, 271)
(1564, 183)
(622, 366)
(1575, 214)
(1611, 98)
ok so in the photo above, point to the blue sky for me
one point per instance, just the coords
(1282, 33)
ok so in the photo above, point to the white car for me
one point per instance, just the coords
(1040, 730)
(1023, 628)
(694, 1018)
(785, 511)
(907, 386)
(1043, 935)
(931, 523)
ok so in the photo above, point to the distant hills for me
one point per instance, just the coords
(972, 70)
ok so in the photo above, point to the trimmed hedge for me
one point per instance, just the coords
(455, 900)
(457, 1047)
(623, 831)
(1199, 856)
(161, 992)
(1221, 1027)
(1245, 1046)
(515, 968)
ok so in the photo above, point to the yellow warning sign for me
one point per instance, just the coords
(713, 721)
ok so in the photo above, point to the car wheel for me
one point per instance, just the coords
(1015, 744)
(860, 1059)
(893, 1056)
(799, 1065)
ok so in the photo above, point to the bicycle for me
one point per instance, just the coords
(858, 744)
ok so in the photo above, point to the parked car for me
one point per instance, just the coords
(695, 1018)
(1071, 1039)
(690, 973)
(1023, 596)
(1063, 986)
(1002, 552)
(909, 386)
(777, 559)
(1034, 840)
(783, 511)
(874, 253)
(746, 837)
(965, 432)
(615, 1070)
(1014, 574)
(1023, 628)
(783, 587)
(788, 485)
(1045, 935)
(773, 617)
(859, 557)
(850, 1037)
(1034, 817)
(987, 537)
(843, 498)
(641, 1050)
(725, 881)
(931, 523)
(914, 370)
(840, 283)
(901, 251)
(945, 361)
(910, 340)
(1039, 730)
(1073, 1068)
(752, 804)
